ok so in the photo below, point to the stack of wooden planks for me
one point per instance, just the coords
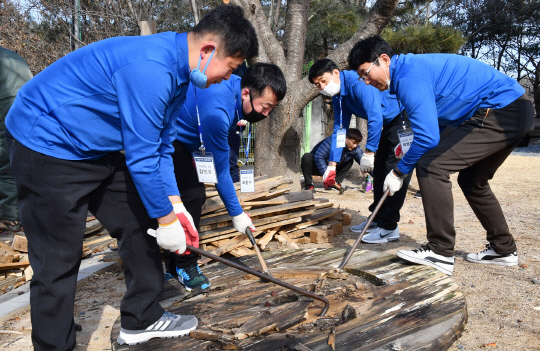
(283, 219)
(15, 269)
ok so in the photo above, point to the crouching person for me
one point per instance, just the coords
(316, 161)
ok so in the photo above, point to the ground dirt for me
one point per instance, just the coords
(503, 302)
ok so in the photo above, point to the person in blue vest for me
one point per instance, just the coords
(316, 161)
(66, 132)
(491, 114)
(251, 98)
(384, 119)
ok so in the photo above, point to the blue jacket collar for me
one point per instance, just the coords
(183, 73)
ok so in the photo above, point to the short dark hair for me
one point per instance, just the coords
(237, 35)
(368, 50)
(260, 76)
(354, 134)
(321, 67)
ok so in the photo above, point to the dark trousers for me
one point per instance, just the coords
(8, 191)
(54, 197)
(309, 168)
(385, 160)
(234, 152)
(476, 149)
(193, 196)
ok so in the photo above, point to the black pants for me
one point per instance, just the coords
(193, 196)
(385, 160)
(234, 153)
(476, 149)
(54, 197)
(309, 168)
(8, 191)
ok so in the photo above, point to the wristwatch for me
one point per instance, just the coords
(368, 150)
(399, 173)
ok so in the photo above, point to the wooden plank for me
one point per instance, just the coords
(205, 234)
(267, 237)
(260, 229)
(318, 216)
(7, 254)
(288, 239)
(242, 251)
(262, 189)
(20, 243)
(264, 203)
(237, 241)
(346, 218)
(296, 196)
(259, 212)
(14, 265)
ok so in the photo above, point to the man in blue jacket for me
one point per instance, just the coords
(491, 115)
(66, 131)
(251, 98)
(350, 96)
(316, 161)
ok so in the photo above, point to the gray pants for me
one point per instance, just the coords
(8, 191)
(476, 149)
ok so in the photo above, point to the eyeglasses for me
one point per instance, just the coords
(366, 75)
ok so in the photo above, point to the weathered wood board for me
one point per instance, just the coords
(415, 306)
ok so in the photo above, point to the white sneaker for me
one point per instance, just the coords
(168, 326)
(425, 256)
(359, 227)
(489, 256)
(381, 235)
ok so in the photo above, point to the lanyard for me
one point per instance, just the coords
(244, 146)
(201, 149)
(340, 114)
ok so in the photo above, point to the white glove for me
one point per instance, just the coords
(392, 182)
(179, 207)
(367, 163)
(241, 122)
(170, 237)
(242, 222)
(328, 170)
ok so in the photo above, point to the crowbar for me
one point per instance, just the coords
(370, 219)
(256, 247)
(262, 276)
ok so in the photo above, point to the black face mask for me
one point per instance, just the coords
(253, 116)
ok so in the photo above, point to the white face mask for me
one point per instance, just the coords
(331, 88)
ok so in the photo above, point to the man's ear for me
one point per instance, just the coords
(207, 47)
(245, 93)
(384, 58)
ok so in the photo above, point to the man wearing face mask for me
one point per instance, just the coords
(218, 109)
(66, 132)
(351, 96)
(490, 113)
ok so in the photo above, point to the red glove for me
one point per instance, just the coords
(398, 151)
(330, 180)
(192, 236)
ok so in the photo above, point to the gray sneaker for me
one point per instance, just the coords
(359, 227)
(168, 326)
(381, 235)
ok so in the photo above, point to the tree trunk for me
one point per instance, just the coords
(279, 137)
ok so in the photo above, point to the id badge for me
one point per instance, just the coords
(206, 171)
(247, 179)
(405, 139)
(341, 134)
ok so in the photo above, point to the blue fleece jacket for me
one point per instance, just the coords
(121, 93)
(220, 108)
(444, 90)
(321, 154)
(364, 101)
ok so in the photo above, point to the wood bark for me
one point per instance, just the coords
(278, 139)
